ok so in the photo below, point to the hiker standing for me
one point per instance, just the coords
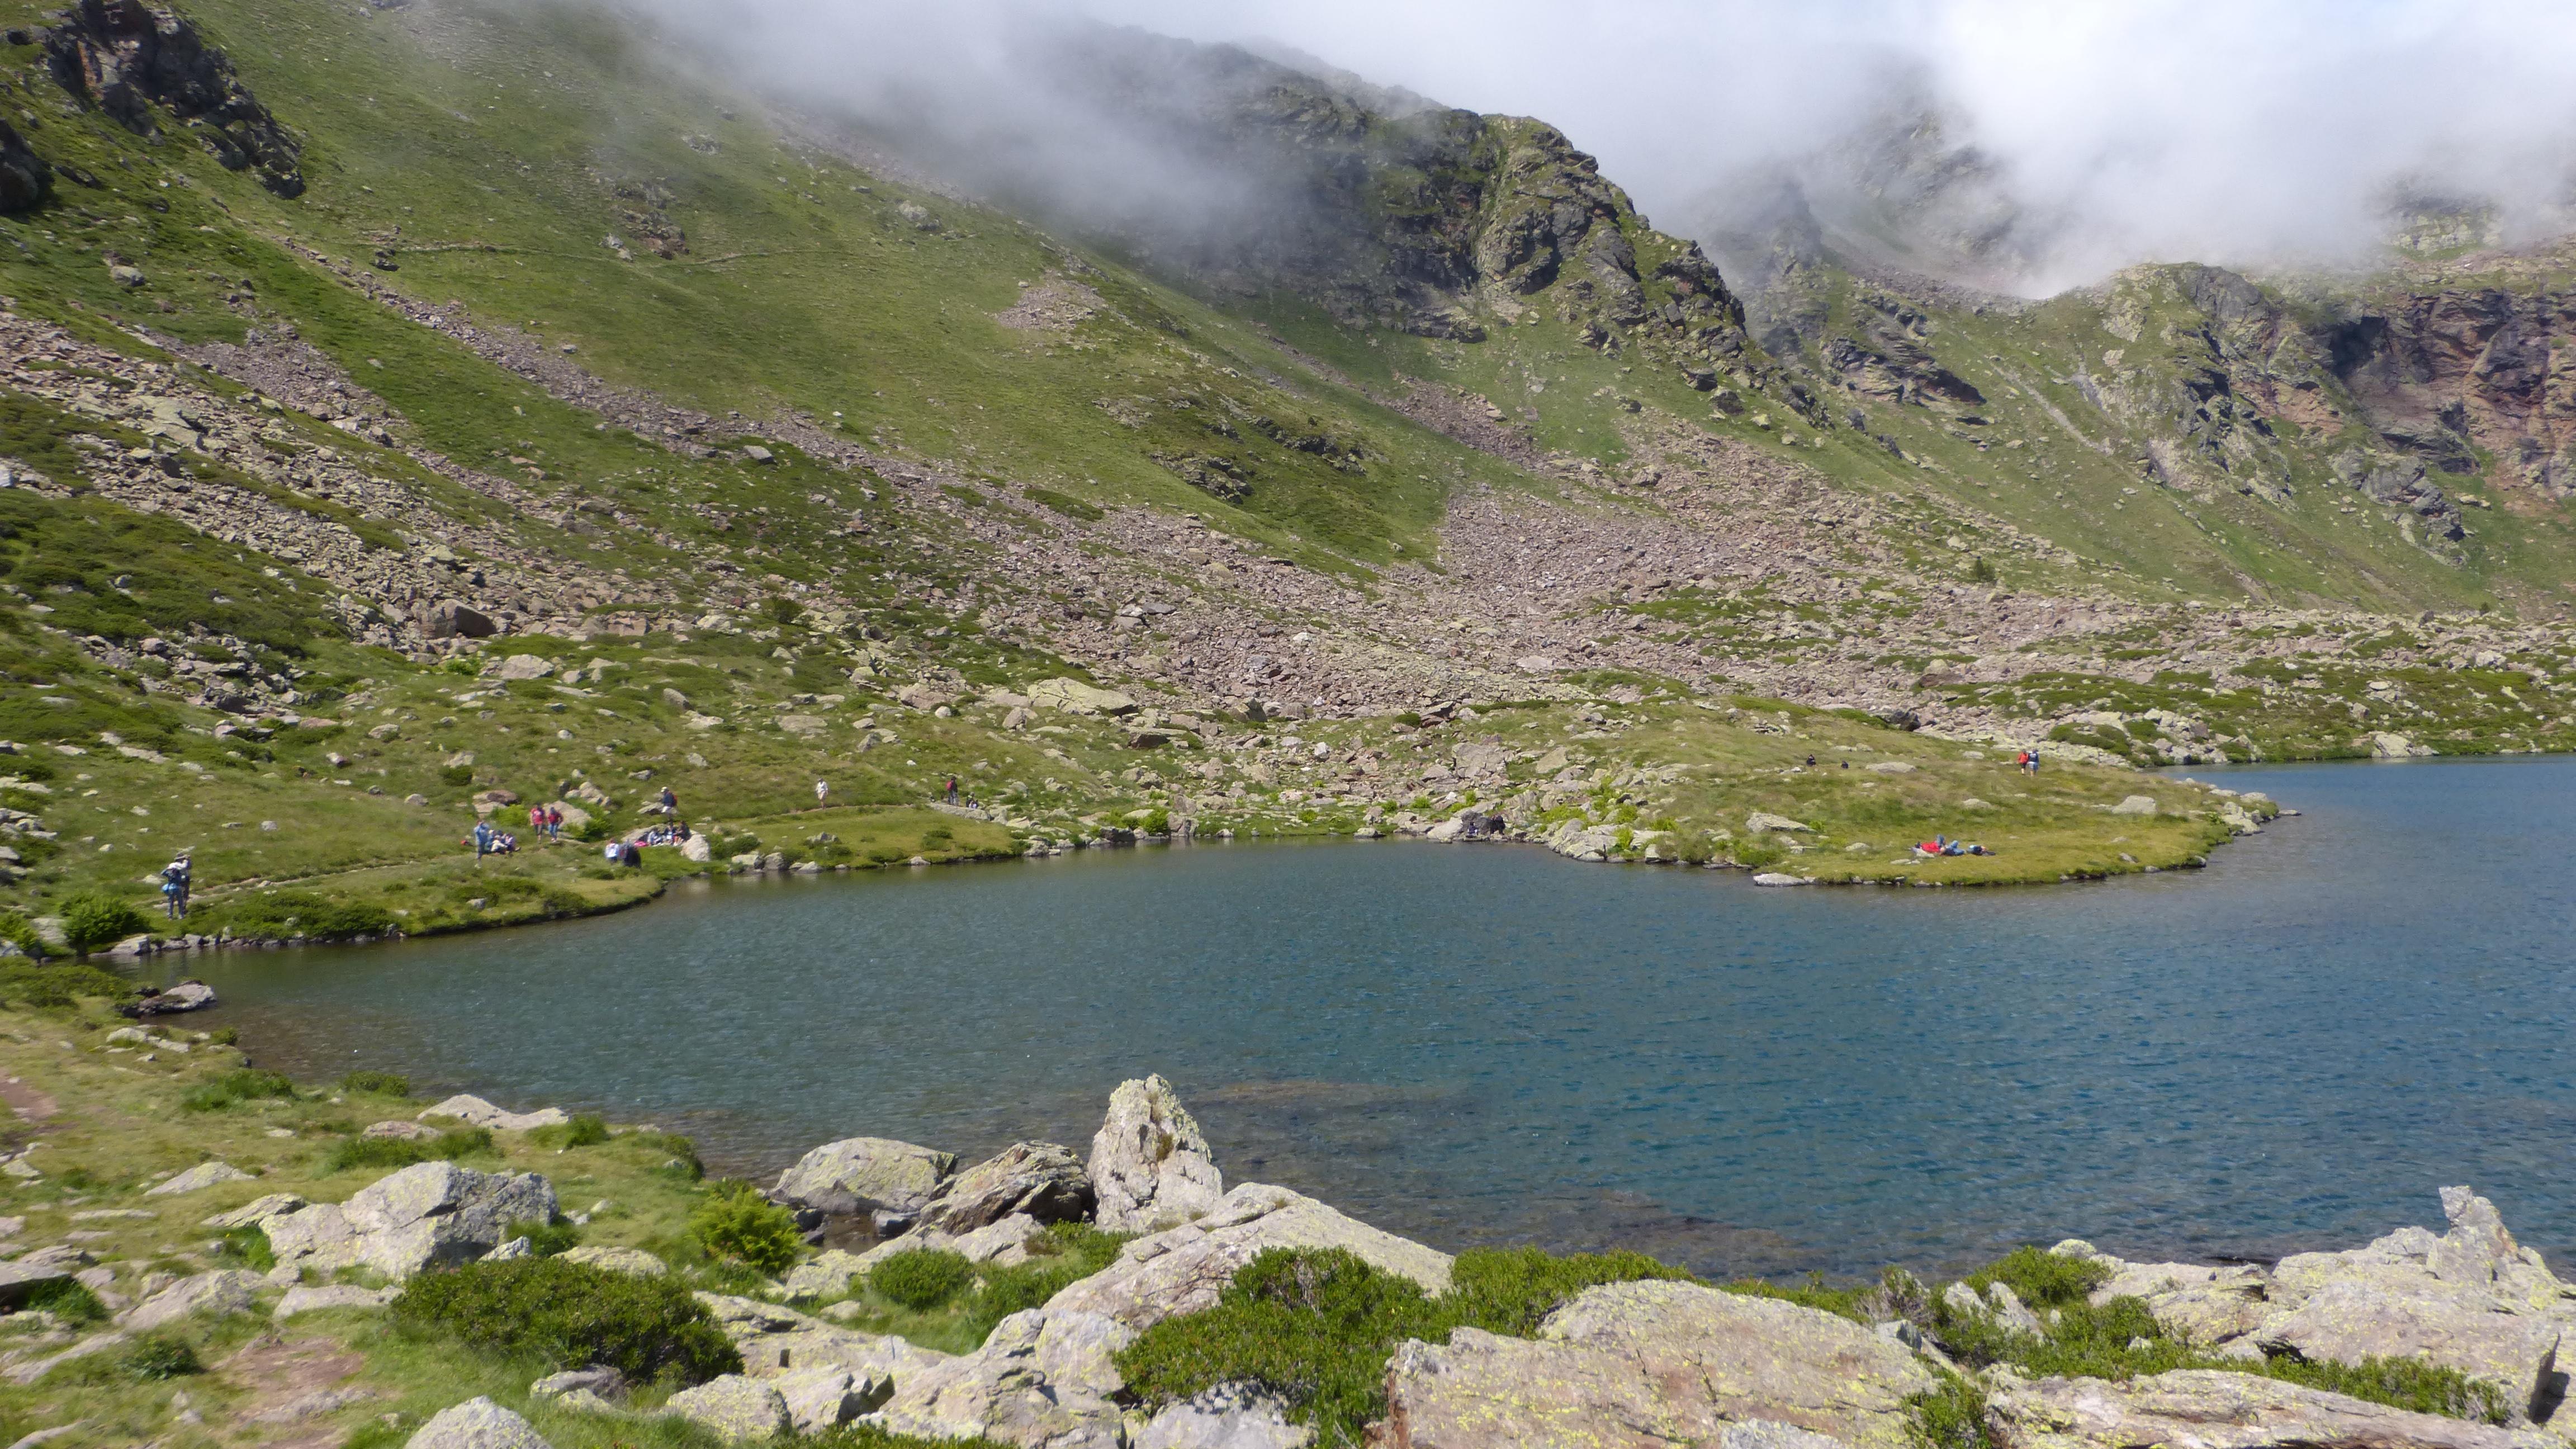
(821, 789)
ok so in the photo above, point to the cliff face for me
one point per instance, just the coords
(132, 61)
(1243, 176)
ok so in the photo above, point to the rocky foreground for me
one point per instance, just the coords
(1647, 1361)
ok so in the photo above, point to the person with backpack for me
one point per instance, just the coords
(174, 885)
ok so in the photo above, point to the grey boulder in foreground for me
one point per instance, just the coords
(1653, 1364)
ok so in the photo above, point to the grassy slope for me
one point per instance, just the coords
(480, 150)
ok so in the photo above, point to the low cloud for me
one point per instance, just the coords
(2070, 139)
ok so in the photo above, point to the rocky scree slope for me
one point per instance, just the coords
(447, 438)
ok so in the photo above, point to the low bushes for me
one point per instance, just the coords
(587, 1129)
(381, 1084)
(568, 1315)
(283, 915)
(922, 1281)
(242, 1084)
(391, 1152)
(25, 983)
(92, 919)
(1316, 1327)
(2120, 1339)
(737, 1223)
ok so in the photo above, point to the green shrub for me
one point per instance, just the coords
(1509, 1290)
(381, 1084)
(92, 919)
(2403, 1383)
(388, 1152)
(548, 1239)
(2042, 1279)
(68, 1300)
(569, 1315)
(921, 1281)
(241, 1084)
(1952, 1416)
(459, 776)
(225, 1036)
(682, 1153)
(586, 1129)
(736, 1222)
(25, 983)
(156, 1357)
(1067, 1253)
(283, 914)
(18, 930)
(246, 1247)
(1315, 1327)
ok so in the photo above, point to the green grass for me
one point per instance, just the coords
(399, 1152)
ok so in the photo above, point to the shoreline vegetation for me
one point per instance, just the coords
(196, 1248)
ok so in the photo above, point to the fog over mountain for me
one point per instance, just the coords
(2015, 143)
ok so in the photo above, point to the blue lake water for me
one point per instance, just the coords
(2292, 1048)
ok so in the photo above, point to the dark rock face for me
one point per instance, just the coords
(2446, 372)
(25, 179)
(128, 59)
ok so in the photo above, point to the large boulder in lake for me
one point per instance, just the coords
(866, 1175)
(1182, 1270)
(1149, 1161)
(1658, 1363)
(1043, 1377)
(2471, 1299)
(1041, 1179)
(2206, 1409)
(430, 1213)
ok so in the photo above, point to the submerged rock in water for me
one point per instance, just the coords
(1149, 1161)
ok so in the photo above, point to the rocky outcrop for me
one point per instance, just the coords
(1149, 1161)
(218, 1294)
(1045, 1379)
(866, 1175)
(203, 1175)
(25, 179)
(2212, 1410)
(1225, 1417)
(138, 64)
(774, 1340)
(1183, 1269)
(1655, 1364)
(476, 1424)
(2200, 1304)
(1039, 1179)
(432, 1213)
(734, 1408)
(475, 1112)
(2471, 1299)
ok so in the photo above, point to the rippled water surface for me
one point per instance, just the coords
(1476, 1044)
